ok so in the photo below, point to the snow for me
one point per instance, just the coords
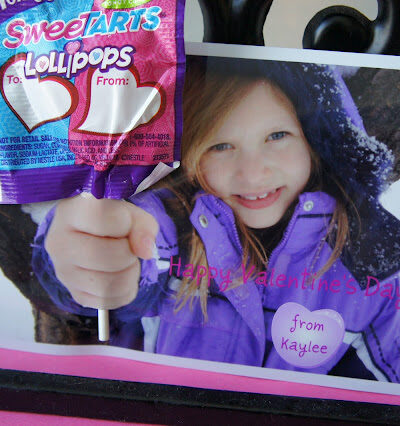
(38, 211)
(390, 199)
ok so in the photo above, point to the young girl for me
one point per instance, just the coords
(276, 202)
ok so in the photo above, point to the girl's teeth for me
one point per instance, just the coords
(260, 197)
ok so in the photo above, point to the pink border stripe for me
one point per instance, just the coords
(10, 418)
(102, 367)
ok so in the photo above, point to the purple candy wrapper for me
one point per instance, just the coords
(91, 97)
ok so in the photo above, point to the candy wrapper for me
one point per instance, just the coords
(91, 94)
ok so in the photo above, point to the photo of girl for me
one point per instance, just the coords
(276, 202)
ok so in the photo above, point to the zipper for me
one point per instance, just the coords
(279, 247)
(286, 235)
(228, 213)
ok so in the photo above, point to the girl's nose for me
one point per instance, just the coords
(253, 168)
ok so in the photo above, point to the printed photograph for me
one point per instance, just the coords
(276, 244)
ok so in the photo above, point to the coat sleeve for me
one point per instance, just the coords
(154, 272)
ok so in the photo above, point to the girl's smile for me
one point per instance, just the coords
(260, 200)
(258, 161)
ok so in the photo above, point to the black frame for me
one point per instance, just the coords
(73, 396)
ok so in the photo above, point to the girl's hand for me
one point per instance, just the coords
(95, 245)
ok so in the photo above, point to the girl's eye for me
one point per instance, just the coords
(276, 136)
(221, 147)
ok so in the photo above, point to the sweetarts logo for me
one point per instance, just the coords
(88, 24)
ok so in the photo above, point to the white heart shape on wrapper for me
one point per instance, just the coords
(36, 101)
(306, 339)
(118, 103)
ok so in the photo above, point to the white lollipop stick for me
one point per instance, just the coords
(102, 314)
(103, 325)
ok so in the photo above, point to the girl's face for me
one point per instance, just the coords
(258, 161)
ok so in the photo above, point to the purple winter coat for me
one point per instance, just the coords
(239, 325)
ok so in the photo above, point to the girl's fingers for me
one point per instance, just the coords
(104, 285)
(109, 218)
(143, 233)
(95, 245)
(86, 251)
(103, 218)
(90, 301)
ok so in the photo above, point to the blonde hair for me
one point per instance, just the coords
(208, 99)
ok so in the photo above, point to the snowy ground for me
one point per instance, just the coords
(391, 199)
(16, 320)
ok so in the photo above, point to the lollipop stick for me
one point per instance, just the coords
(103, 325)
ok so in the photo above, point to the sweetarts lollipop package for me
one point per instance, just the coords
(90, 96)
